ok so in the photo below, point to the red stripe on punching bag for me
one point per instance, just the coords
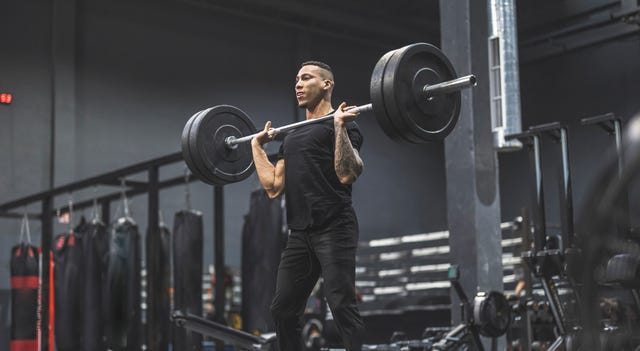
(28, 282)
(24, 345)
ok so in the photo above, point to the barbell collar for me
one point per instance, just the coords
(449, 86)
(233, 142)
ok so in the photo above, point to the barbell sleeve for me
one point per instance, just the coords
(449, 86)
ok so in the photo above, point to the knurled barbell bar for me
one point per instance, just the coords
(429, 91)
(415, 96)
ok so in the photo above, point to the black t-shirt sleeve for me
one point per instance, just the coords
(281, 152)
(355, 135)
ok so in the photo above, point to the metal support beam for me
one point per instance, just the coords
(218, 246)
(63, 54)
(47, 234)
(473, 200)
(154, 270)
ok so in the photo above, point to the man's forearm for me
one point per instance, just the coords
(264, 167)
(347, 163)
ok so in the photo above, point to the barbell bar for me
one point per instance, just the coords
(430, 91)
(415, 97)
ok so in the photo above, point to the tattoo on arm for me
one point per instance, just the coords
(347, 162)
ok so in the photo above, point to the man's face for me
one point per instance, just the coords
(311, 85)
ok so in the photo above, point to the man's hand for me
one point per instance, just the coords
(342, 115)
(265, 136)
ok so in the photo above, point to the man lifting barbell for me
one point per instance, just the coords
(318, 163)
(415, 96)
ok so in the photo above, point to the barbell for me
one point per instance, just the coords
(415, 97)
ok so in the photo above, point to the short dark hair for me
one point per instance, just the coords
(319, 64)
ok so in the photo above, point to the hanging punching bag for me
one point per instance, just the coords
(68, 271)
(95, 248)
(187, 272)
(260, 259)
(123, 286)
(24, 297)
(159, 285)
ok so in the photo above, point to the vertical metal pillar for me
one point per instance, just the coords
(47, 234)
(623, 222)
(218, 246)
(63, 84)
(473, 200)
(537, 191)
(153, 337)
(566, 193)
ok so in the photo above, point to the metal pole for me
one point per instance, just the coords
(622, 221)
(47, 233)
(153, 337)
(233, 141)
(218, 225)
(539, 221)
(429, 91)
(566, 196)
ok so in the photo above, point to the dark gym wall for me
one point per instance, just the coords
(143, 68)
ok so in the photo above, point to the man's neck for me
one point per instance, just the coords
(321, 109)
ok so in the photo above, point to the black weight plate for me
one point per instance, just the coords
(377, 98)
(200, 170)
(197, 157)
(209, 131)
(492, 313)
(186, 152)
(394, 112)
(407, 72)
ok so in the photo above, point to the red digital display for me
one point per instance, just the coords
(6, 98)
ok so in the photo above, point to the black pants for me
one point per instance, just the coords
(306, 256)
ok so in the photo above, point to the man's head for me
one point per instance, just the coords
(314, 83)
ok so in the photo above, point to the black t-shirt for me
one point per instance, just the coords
(314, 195)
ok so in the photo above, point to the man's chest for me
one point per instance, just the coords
(310, 140)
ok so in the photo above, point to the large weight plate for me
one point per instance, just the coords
(218, 163)
(200, 170)
(393, 112)
(184, 142)
(377, 99)
(408, 70)
(187, 155)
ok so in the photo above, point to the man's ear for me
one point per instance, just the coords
(328, 84)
